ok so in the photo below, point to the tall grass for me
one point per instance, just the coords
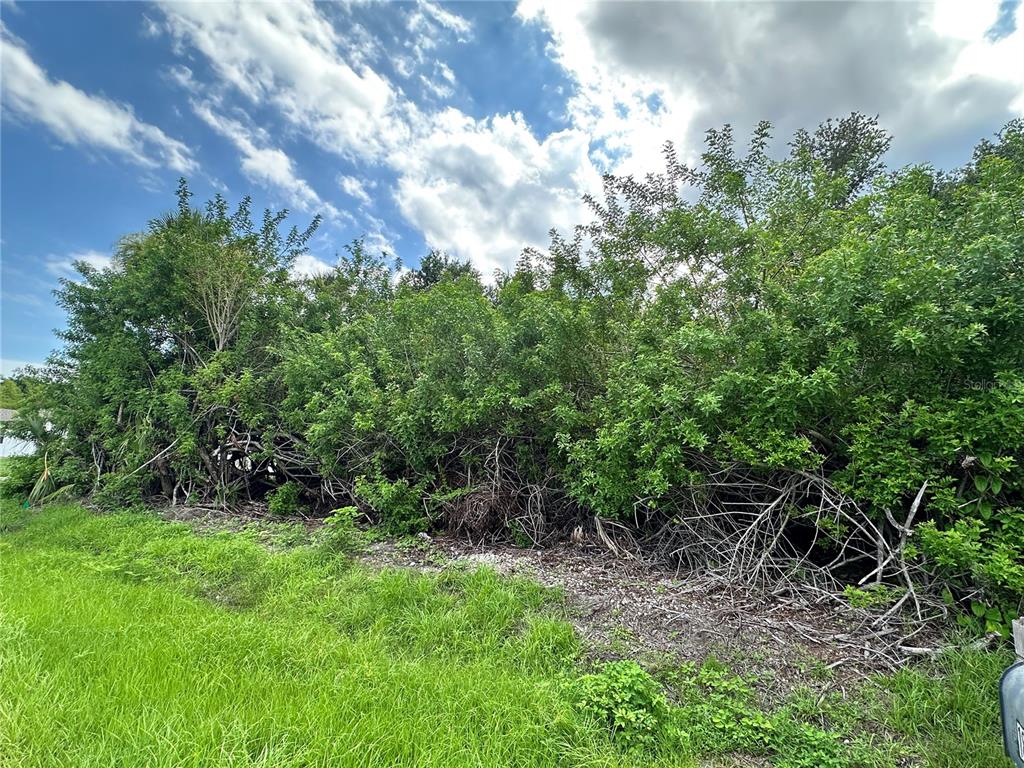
(125, 641)
(949, 708)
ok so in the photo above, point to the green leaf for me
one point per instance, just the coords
(985, 459)
(996, 485)
(981, 483)
(978, 609)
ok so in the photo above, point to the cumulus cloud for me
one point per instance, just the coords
(79, 118)
(926, 69)
(484, 189)
(307, 265)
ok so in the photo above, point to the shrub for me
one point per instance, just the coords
(624, 697)
(714, 334)
(719, 714)
(115, 492)
(283, 501)
(339, 532)
(18, 474)
(399, 504)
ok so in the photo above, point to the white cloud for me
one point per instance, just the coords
(81, 119)
(355, 188)
(982, 57)
(182, 76)
(429, 24)
(481, 189)
(646, 72)
(64, 266)
(269, 166)
(8, 365)
(441, 85)
(449, 21)
(289, 55)
(437, 90)
(445, 72)
(485, 189)
(379, 241)
(307, 265)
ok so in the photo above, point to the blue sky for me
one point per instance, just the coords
(473, 127)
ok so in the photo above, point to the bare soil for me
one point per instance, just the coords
(627, 607)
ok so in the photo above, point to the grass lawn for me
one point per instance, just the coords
(128, 641)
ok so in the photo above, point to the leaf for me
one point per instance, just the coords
(947, 596)
(985, 459)
(996, 485)
(978, 609)
(985, 509)
(981, 483)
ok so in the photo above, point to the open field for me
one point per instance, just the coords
(129, 640)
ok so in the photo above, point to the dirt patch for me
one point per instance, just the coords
(633, 608)
(237, 519)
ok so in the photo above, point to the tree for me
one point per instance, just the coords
(850, 147)
(163, 376)
(436, 267)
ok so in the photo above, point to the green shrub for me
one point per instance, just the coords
(718, 712)
(18, 474)
(399, 504)
(339, 532)
(283, 501)
(625, 698)
(115, 492)
(759, 316)
(876, 597)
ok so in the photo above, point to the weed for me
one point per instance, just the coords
(283, 501)
(627, 700)
(340, 533)
(125, 639)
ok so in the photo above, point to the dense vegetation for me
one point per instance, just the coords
(765, 365)
(126, 640)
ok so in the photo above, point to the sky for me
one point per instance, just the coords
(471, 127)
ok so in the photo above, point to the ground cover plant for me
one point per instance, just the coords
(128, 639)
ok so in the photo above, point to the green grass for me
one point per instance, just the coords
(126, 640)
(949, 708)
